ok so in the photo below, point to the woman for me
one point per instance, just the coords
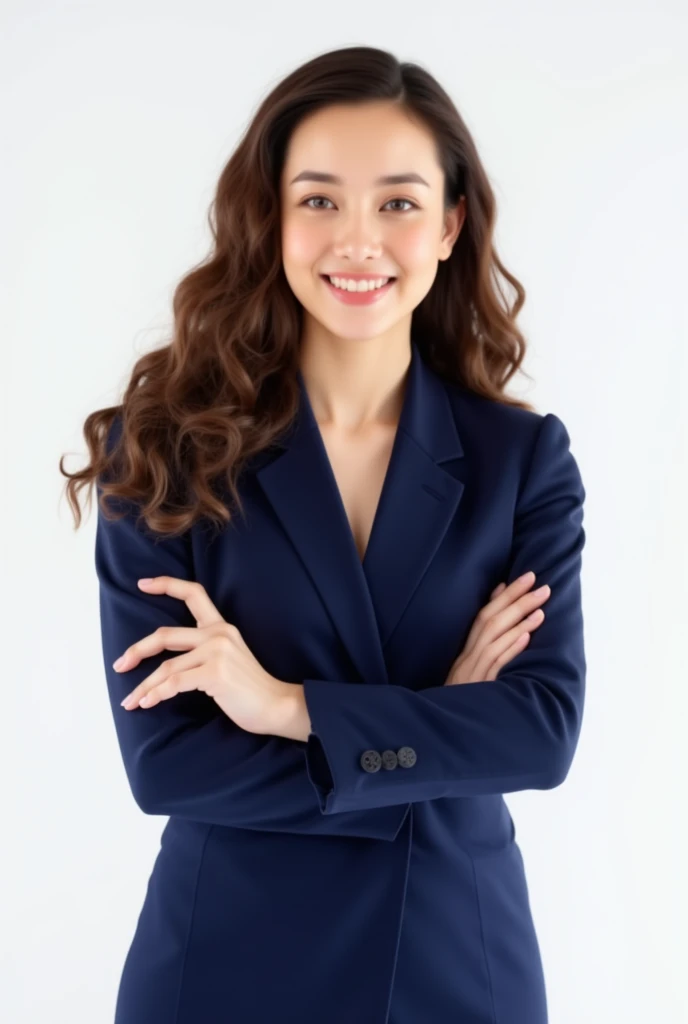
(320, 523)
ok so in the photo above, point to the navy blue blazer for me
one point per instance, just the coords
(294, 883)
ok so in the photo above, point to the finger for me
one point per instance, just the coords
(486, 651)
(180, 682)
(508, 655)
(487, 627)
(509, 593)
(193, 593)
(496, 654)
(162, 674)
(517, 613)
(500, 599)
(166, 638)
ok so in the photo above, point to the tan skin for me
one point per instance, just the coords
(354, 361)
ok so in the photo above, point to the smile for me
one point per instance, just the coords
(356, 298)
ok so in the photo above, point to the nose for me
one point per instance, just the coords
(358, 236)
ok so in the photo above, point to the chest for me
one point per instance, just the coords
(362, 559)
(359, 466)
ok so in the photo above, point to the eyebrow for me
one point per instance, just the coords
(387, 179)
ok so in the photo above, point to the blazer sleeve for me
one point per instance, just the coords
(516, 732)
(184, 756)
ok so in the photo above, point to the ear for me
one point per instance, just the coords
(453, 222)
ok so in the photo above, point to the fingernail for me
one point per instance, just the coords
(120, 661)
(146, 579)
(541, 590)
(527, 576)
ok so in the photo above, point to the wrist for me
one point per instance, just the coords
(292, 719)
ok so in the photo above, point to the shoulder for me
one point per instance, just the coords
(492, 420)
(534, 441)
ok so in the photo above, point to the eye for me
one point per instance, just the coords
(414, 205)
(310, 199)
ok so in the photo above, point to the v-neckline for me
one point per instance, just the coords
(366, 598)
(338, 493)
(334, 486)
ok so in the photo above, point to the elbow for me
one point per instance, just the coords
(561, 756)
(147, 796)
(563, 734)
(558, 768)
(143, 797)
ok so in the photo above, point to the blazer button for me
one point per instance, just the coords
(371, 760)
(389, 759)
(406, 757)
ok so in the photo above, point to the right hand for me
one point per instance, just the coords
(500, 631)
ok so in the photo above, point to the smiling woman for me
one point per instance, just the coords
(393, 227)
(331, 692)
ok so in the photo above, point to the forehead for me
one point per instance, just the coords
(359, 144)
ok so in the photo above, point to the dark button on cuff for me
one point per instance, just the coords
(389, 759)
(371, 760)
(406, 757)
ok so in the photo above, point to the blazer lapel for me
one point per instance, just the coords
(419, 499)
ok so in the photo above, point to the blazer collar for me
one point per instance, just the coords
(418, 501)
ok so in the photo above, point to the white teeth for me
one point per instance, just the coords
(349, 285)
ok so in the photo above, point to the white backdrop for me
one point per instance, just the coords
(116, 121)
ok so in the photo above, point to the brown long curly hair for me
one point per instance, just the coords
(225, 387)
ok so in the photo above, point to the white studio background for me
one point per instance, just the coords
(116, 121)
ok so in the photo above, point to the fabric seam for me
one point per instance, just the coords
(191, 921)
(482, 940)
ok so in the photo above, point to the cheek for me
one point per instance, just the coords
(300, 244)
(417, 247)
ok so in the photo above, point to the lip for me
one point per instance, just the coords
(360, 276)
(359, 298)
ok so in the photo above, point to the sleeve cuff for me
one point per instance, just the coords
(319, 771)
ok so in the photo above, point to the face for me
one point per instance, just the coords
(359, 225)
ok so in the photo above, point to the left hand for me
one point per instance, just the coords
(219, 662)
